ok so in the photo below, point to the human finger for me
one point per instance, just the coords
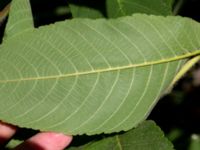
(46, 141)
(6, 132)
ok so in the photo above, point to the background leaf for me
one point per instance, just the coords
(87, 8)
(194, 142)
(117, 8)
(20, 18)
(147, 136)
(92, 76)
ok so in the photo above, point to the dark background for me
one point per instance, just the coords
(178, 114)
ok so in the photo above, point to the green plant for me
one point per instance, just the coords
(92, 76)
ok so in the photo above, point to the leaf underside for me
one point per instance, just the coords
(87, 77)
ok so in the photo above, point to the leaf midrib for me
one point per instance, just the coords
(118, 142)
(171, 59)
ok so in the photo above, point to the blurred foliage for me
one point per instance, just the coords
(194, 142)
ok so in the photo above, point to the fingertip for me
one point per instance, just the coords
(46, 141)
(6, 132)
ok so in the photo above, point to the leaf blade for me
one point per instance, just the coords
(115, 99)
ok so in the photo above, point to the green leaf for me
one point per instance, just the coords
(147, 136)
(117, 8)
(194, 142)
(87, 8)
(13, 143)
(92, 76)
(20, 18)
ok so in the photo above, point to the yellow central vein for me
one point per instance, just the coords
(184, 56)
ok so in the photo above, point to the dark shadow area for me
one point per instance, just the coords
(3, 142)
(3, 3)
(99, 5)
(30, 146)
(23, 133)
(2, 28)
(180, 110)
(191, 8)
(86, 139)
(184, 116)
(49, 11)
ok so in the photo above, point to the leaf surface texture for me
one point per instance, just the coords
(92, 76)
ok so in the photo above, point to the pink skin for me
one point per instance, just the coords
(41, 141)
